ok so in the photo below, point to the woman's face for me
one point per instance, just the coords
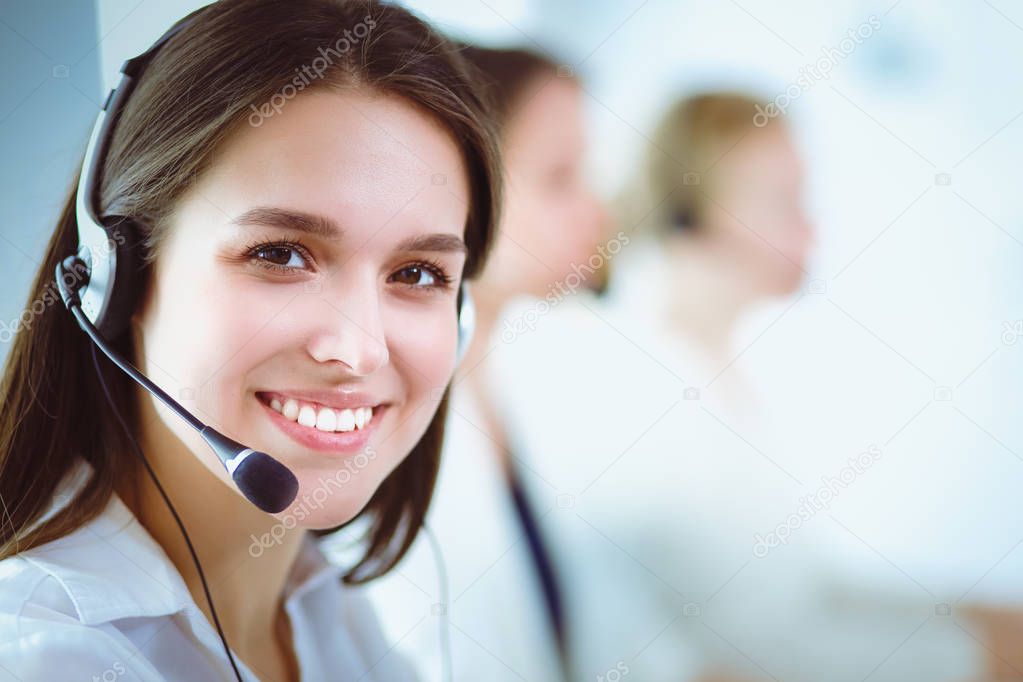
(302, 282)
(551, 219)
(757, 217)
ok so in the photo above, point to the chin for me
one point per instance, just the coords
(309, 512)
(329, 498)
(326, 519)
(785, 281)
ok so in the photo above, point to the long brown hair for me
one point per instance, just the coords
(209, 78)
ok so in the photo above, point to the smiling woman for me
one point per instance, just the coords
(298, 289)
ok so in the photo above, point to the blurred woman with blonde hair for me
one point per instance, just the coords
(725, 183)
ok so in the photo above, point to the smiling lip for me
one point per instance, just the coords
(339, 443)
(337, 399)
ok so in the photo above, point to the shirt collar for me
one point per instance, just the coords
(112, 568)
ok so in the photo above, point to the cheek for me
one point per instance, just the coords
(181, 341)
(566, 235)
(771, 260)
(743, 226)
(527, 216)
(421, 347)
(237, 326)
(537, 243)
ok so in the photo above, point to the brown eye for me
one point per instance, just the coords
(283, 256)
(279, 255)
(422, 276)
(413, 274)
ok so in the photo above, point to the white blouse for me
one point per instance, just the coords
(106, 603)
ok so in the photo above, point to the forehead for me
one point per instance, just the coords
(366, 160)
(548, 121)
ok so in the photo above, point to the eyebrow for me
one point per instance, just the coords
(322, 226)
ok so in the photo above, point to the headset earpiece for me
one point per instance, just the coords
(466, 321)
(114, 279)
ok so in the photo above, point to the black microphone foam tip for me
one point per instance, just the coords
(266, 483)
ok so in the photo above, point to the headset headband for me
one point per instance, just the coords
(109, 258)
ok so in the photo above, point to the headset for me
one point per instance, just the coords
(99, 285)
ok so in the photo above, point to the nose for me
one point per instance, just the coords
(350, 330)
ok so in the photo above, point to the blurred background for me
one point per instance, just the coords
(677, 427)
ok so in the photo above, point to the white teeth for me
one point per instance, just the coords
(307, 416)
(326, 419)
(290, 409)
(322, 417)
(345, 420)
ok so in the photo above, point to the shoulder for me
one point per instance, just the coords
(42, 638)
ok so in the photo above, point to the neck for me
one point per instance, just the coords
(245, 587)
(710, 297)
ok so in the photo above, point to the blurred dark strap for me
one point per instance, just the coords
(541, 559)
